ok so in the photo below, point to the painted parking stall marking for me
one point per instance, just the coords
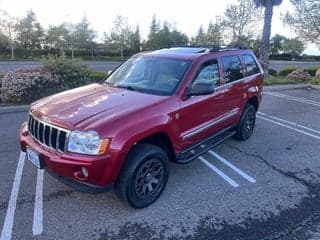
(237, 170)
(314, 133)
(232, 182)
(291, 98)
(37, 227)
(233, 167)
(9, 219)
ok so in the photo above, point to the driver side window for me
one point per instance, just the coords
(209, 73)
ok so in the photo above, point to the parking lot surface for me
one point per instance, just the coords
(264, 188)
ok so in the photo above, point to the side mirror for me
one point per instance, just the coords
(200, 88)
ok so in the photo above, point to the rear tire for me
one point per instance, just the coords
(144, 175)
(247, 123)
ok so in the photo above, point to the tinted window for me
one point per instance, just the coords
(209, 72)
(251, 65)
(232, 68)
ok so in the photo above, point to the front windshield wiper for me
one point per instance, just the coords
(128, 87)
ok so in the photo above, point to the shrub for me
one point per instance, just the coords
(312, 70)
(74, 73)
(299, 75)
(272, 72)
(29, 85)
(315, 81)
(318, 73)
(284, 72)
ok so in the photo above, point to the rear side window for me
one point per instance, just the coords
(232, 68)
(251, 65)
(209, 72)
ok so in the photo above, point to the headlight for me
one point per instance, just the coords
(87, 143)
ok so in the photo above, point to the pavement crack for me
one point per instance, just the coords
(287, 174)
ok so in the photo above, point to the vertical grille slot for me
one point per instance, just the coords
(47, 134)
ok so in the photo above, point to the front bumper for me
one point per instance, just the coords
(68, 165)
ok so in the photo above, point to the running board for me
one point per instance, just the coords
(204, 146)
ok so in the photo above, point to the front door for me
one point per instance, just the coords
(200, 116)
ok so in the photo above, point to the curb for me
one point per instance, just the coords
(14, 109)
(286, 87)
(315, 86)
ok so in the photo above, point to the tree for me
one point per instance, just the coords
(214, 34)
(265, 44)
(153, 41)
(8, 31)
(294, 47)
(84, 34)
(305, 19)
(57, 36)
(120, 34)
(164, 36)
(29, 32)
(135, 40)
(241, 20)
(276, 44)
(200, 38)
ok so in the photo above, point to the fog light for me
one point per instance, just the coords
(84, 171)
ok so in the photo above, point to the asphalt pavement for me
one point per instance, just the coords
(264, 188)
(101, 66)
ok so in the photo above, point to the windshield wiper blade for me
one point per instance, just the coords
(128, 87)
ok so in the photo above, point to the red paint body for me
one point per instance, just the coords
(127, 117)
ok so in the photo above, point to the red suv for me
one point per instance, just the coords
(167, 105)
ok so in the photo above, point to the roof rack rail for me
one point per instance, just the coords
(221, 48)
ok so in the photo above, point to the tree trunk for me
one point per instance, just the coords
(12, 52)
(121, 52)
(264, 54)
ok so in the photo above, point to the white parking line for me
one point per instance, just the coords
(301, 100)
(219, 172)
(287, 126)
(288, 122)
(37, 226)
(234, 168)
(9, 219)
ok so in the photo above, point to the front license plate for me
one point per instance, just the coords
(34, 158)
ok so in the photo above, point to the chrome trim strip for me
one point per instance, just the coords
(50, 134)
(57, 140)
(232, 113)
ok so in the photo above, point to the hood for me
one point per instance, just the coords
(70, 108)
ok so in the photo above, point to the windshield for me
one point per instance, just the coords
(150, 74)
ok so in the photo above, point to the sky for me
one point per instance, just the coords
(186, 16)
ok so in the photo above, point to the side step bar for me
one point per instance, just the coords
(204, 146)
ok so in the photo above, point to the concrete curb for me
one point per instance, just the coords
(285, 87)
(315, 86)
(14, 109)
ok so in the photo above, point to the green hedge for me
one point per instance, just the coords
(97, 76)
(74, 73)
(312, 70)
(272, 72)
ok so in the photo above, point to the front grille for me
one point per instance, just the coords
(47, 134)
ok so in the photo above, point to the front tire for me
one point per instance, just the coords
(144, 175)
(246, 124)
